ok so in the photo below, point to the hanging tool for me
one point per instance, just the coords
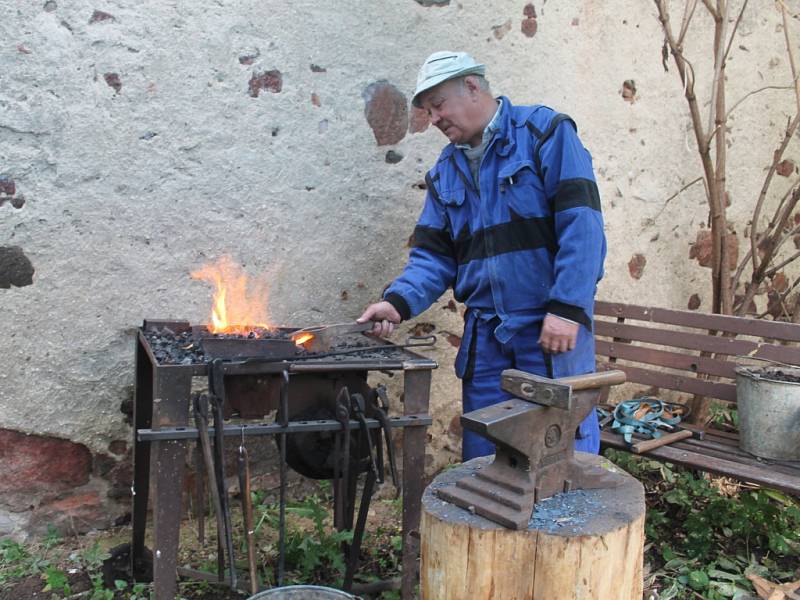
(283, 419)
(201, 422)
(247, 513)
(342, 459)
(378, 409)
(199, 495)
(216, 385)
(375, 473)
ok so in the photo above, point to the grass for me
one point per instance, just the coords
(704, 536)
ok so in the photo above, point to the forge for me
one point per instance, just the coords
(329, 423)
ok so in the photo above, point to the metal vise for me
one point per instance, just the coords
(535, 438)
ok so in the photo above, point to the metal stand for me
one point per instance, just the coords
(162, 437)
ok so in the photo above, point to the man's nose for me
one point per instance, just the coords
(435, 117)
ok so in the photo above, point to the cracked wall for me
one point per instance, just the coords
(139, 140)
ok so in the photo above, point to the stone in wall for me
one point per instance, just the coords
(98, 16)
(271, 81)
(35, 463)
(72, 514)
(529, 24)
(15, 268)
(629, 91)
(8, 192)
(393, 157)
(386, 110)
(636, 265)
(499, 31)
(428, 3)
(701, 249)
(7, 186)
(785, 168)
(113, 81)
(418, 120)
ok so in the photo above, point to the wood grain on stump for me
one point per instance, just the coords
(585, 544)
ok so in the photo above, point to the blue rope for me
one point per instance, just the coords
(626, 424)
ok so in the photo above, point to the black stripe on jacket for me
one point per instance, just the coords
(576, 192)
(513, 236)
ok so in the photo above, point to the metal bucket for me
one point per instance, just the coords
(769, 411)
(303, 592)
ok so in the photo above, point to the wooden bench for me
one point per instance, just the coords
(693, 354)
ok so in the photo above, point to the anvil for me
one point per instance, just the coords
(535, 438)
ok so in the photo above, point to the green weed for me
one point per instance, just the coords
(703, 542)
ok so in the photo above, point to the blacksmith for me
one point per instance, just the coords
(512, 223)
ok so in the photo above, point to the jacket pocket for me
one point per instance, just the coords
(465, 359)
(453, 201)
(452, 197)
(522, 189)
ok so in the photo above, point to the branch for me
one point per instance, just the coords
(688, 13)
(782, 297)
(790, 52)
(733, 33)
(676, 194)
(754, 92)
(779, 266)
(788, 135)
(710, 8)
(719, 45)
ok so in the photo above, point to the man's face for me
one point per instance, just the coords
(453, 109)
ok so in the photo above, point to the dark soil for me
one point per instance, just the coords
(30, 588)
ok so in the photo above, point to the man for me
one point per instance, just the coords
(512, 222)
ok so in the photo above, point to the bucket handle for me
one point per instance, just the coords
(769, 360)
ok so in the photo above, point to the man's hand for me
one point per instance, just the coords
(558, 335)
(383, 315)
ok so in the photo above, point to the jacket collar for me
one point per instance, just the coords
(504, 140)
(505, 144)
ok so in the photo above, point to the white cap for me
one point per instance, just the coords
(441, 66)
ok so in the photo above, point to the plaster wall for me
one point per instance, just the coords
(139, 148)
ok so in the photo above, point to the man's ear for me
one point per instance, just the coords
(471, 84)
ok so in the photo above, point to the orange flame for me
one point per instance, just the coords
(239, 305)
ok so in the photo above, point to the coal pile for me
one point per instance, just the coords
(785, 375)
(779, 375)
(184, 347)
(171, 348)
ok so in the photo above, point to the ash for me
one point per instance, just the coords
(566, 511)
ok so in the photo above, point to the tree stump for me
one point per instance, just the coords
(584, 544)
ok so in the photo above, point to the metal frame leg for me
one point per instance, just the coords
(171, 391)
(417, 395)
(142, 418)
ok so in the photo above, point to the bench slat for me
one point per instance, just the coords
(675, 453)
(733, 453)
(697, 341)
(662, 358)
(740, 325)
(689, 385)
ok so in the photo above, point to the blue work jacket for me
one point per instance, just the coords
(527, 241)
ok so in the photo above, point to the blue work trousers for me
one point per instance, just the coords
(481, 360)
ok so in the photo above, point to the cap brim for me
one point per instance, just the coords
(434, 81)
